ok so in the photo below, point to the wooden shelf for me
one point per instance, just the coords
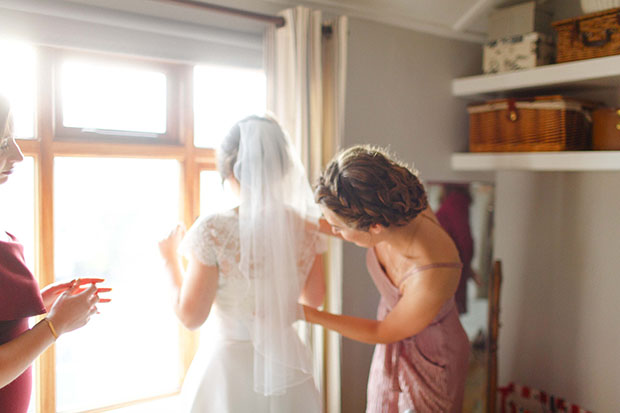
(603, 72)
(538, 161)
(599, 72)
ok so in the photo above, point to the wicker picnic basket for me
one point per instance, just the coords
(588, 36)
(543, 123)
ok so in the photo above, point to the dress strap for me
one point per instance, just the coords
(423, 215)
(421, 268)
(436, 223)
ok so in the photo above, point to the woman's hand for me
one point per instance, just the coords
(73, 309)
(51, 292)
(170, 244)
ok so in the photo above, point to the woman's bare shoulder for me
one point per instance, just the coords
(433, 243)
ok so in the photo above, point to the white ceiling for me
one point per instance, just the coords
(463, 19)
(453, 18)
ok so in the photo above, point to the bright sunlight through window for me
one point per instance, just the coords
(17, 83)
(109, 214)
(215, 196)
(222, 96)
(107, 97)
(17, 211)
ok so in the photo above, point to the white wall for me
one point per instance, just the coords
(557, 236)
(398, 94)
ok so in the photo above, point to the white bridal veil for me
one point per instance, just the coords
(276, 211)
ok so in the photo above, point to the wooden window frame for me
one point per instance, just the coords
(51, 141)
(173, 96)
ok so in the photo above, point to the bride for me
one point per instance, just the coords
(248, 270)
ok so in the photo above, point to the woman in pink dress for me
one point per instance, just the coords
(67, 306)
(421, 354)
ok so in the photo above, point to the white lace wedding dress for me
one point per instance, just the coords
(220, 379)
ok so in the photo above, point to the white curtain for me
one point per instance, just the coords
(306, 74)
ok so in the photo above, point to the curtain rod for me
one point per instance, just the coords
(277, 20)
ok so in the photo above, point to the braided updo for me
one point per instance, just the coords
(365, 186)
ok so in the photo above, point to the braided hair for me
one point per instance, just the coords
(364, 186)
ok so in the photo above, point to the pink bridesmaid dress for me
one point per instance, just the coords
(422, 373)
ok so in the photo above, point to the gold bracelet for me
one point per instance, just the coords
(52, 329)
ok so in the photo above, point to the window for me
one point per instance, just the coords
(215, 195)
(222, 96)
(99, 97)
(18, 206)
(17, 83)
(106, 174)
(115, 100)
(106, 226)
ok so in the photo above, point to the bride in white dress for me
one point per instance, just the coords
(248, 270)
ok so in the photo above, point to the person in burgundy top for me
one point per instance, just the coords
(453, 215)
(422, 352)
(68, 305)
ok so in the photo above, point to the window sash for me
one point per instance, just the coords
(172, 71)
(51, 141)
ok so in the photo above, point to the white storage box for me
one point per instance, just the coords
(517, 52)
(519, 19)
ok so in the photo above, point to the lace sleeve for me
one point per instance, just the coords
(199, 242)
(320, 244)
(313, 243)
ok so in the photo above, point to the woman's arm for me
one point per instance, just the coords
(193, 292)
(313, 292)
(70, 311)
(423, 297)
(19, 353)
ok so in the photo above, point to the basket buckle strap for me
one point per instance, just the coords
(512, 110)
(585, 39)
(576, 31)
